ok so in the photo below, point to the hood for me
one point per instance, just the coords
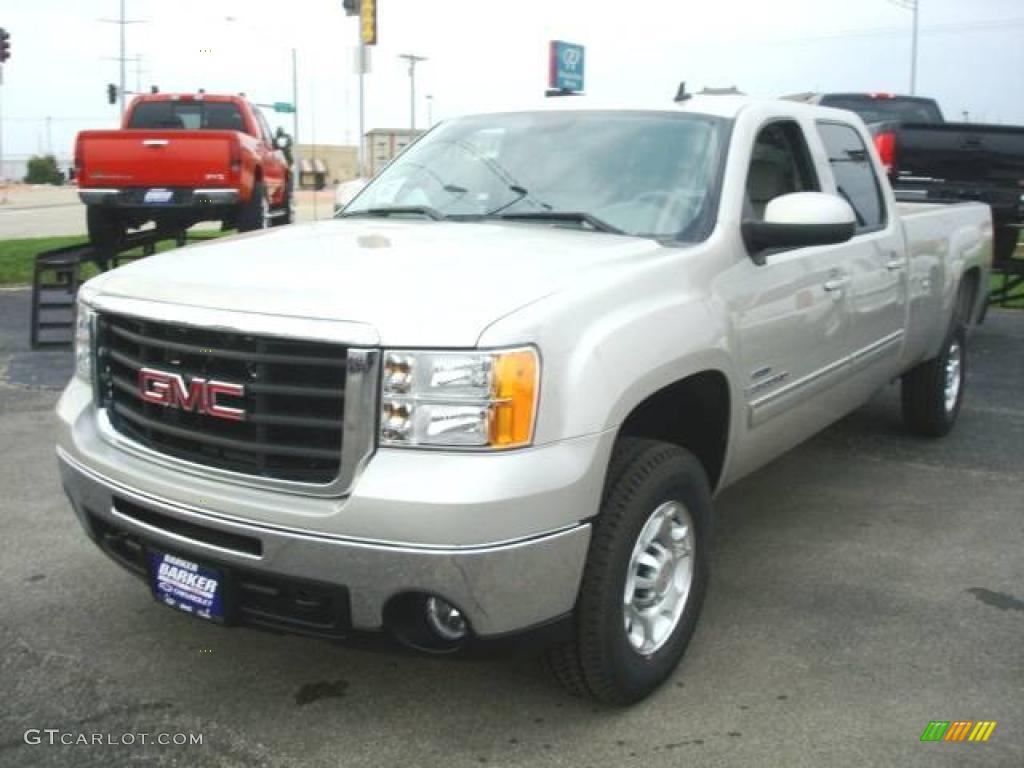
(417, 283)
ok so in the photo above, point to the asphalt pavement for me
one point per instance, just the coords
(864, 584)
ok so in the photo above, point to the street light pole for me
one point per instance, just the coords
(430, 110)
(413, 60)
(362, 110)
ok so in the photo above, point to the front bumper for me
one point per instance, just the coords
(181, 197)
(505, 543)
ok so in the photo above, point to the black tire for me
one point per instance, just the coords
(599, 660)
(1004, 243)
(255, 214)
(286, 213)
(927, 410)
(105, 227)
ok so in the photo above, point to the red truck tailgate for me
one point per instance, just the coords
(153, 158)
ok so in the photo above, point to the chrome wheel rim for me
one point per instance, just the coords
(264, 213)
(954, 364)
(659, 578)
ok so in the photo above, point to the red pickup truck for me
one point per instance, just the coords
(183, 158)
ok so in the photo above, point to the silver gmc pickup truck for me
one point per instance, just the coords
(492, 400)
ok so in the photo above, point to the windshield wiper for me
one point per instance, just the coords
(398, 210)
(572, 216)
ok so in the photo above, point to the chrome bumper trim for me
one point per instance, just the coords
(215, 196)
(96, 196)
(501, 588)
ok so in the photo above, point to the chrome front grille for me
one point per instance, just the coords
(294, 396)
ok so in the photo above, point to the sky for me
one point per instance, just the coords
(491, 54)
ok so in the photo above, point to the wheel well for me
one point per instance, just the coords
(967, 298)
(692, 413)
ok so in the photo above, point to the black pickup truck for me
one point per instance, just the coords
(930, 159)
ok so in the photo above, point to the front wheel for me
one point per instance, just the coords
(932, 392)
(645, 577)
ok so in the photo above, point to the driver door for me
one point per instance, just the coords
(790, 324)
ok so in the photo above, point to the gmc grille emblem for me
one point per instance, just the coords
(197, 396)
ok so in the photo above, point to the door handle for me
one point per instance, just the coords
(895, 264)
(155, 142)
(836, 284)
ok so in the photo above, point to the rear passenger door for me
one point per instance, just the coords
(874, 262)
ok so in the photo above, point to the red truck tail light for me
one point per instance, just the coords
(235, 156)
(885, 143)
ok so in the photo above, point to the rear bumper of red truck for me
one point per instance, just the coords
(159, 198)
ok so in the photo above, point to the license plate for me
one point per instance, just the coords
(158, 196)
(187, 585)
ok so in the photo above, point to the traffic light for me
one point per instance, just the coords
(351, 7)
(5, 45)
(111, 93)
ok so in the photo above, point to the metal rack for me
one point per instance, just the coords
(58, 274)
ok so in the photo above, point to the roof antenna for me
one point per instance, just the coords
(681, 94)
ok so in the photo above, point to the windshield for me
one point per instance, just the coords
(901, 109)
(649, 174)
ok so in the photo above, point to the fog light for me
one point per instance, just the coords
(445, 619)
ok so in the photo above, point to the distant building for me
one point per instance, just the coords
(383, 144)
(322, 165)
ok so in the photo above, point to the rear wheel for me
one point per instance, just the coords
(106, 228)
(255, 214)
(286, 213)
(1004, 243)
(645, 576)
(933, 391)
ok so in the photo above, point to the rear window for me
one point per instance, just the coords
(187, 115)
(901, 109)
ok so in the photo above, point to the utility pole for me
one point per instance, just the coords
(122, 22)
(295, 98)
(5, 54)
(912, 6)
(913, 54)
(413, 60)
(430, 110)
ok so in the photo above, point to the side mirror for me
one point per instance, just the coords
(282, 140)
(798, 220)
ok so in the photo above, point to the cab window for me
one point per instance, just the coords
(856, 181)
(780, 164)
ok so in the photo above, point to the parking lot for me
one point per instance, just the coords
(864, 584)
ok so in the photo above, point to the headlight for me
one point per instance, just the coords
(459, 399)
(84, 318)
